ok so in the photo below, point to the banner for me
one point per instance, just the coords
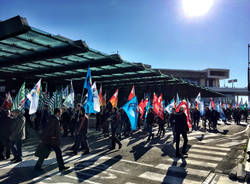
(114, 99)
(131, 110)
(132, 93)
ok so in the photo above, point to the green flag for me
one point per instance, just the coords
(19, 99)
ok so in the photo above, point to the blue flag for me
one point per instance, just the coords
(88, 80)
(147, 109)
(202, 108)
(219, 109)
(130, 109)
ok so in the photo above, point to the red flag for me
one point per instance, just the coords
(7, 104)
(114, 99)
(161, 111)
(155, 104)
(100, 96)
(132, 93)
(145, 102)
(141, 108)
(186, 111)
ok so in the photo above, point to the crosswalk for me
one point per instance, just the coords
(98, 168)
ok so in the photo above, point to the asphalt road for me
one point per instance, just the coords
(139, 161)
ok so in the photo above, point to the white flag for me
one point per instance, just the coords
(33, 96)
(95, 98)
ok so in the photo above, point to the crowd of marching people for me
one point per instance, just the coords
(113, 122)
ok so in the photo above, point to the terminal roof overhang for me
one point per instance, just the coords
(29, 54)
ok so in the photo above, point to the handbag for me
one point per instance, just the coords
(42, 151)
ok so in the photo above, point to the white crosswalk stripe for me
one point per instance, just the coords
(233, 143)
(210, 147)
(183, 170)
(206, 157)
(166, 179)
(192, 162)
(205, 151)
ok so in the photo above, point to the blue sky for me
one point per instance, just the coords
(154, 32)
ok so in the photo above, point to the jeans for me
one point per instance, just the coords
(16, 148)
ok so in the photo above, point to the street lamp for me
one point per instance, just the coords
(232, 81)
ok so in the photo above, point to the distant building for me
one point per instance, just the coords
(208, 78)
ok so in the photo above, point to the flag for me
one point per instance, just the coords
(132, 93)
(100, 96)
(189, 104)
(186, 111)
(141, 108)
(114, 99)
(177, 100)
(33, 96)
(7, 104)
(220, 110)
(19, 99)
(96, 102)
(211, 104)
(147, 109)
(198, 98)
(88, 80)
(170, 106)
(65, 92)
(131, 110)
(155, 104)
(202, 108)
(69, 101)
(161, 110)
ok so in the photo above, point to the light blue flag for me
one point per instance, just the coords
(170, 106)
(202, 108)
(219, 109)
(147, 109)
(88, 80)
(130, 108)
(177, 100)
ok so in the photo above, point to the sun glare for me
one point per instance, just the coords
(194, 8)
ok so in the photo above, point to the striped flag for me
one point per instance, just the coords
(19, 99)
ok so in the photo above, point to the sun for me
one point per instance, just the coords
(195, 8)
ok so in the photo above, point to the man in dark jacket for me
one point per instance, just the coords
(45, 117)
(181, 127)
(17, 134)
(215, 115)
(4, 134)
(150, 122)
(114, 126)
(65, 120)
(51, 138)
(196, 118)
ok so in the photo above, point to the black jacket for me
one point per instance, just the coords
(180, 122)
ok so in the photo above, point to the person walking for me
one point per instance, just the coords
(17, 134)
(114, 126)
(82, 134)
(172, 123)
(51, 138)
(150, 122)
(181, 128)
